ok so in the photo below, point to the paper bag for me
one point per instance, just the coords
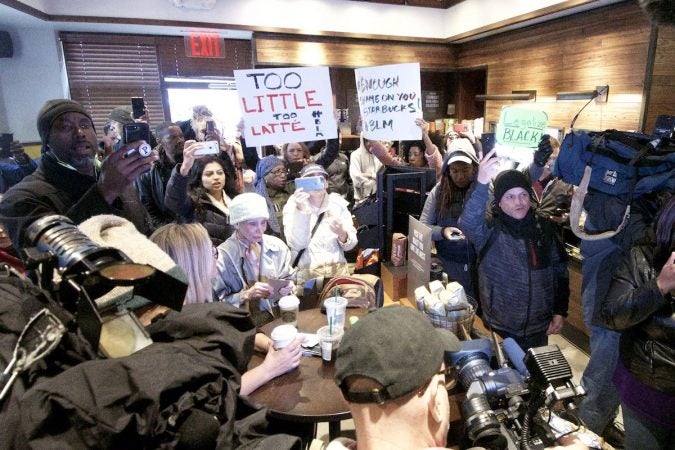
(399, 244)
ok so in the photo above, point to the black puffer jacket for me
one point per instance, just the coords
(635, 306)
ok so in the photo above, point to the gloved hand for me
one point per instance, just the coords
(544, 151)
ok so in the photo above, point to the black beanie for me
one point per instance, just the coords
(510, 179)
(51, 110)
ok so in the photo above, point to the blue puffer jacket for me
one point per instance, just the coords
(514, 297)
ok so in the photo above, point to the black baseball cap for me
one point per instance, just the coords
(395, 346)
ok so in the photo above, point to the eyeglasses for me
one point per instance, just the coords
(279, 171)
(450, 380)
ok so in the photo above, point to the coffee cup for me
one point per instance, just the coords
(329, 340)
(289, 306)
(336, 310)
(283, 335)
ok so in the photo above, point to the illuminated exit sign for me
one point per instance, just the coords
(204, 46)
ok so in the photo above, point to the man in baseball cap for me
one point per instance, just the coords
(390, 368)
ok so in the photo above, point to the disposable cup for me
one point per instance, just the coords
(283, 335)
(289, 306)
(336, 309)
(329, 342)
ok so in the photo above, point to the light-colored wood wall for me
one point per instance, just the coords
(605, 46)
(662, 91)
(287, 50)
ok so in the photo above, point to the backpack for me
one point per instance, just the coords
(361, 291)
(615, 165)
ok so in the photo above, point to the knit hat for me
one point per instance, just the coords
(312, 169)
(53, 109)
(262, 169)
(247, 206)
(510, 179)
(121, 114)
(396, 347)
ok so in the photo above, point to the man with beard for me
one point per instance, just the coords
(152, 185)
(67, 182)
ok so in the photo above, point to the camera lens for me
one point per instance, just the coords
(482, 425)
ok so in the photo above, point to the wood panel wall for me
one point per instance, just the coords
(662, 92)
(604, 46)
(287, 50)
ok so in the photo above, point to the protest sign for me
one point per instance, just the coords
(520, 127)
(390, 99)
(286, 105)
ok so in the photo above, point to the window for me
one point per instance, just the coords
(106, 71)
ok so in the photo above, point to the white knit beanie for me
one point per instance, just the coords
(247, 206)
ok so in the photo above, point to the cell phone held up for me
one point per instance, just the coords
(137, 131)
(459, 127)
(210, 126)
(6, 141)
(137, 107)
(208, 148)
(310, 183)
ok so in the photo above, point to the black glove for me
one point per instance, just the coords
(544, 151)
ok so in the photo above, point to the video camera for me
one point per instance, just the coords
(100, 285)
(504, 407)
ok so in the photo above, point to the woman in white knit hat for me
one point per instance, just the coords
(249, 261)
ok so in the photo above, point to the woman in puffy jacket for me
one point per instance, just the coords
(640, 305)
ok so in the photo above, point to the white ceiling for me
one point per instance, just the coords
(468, 20)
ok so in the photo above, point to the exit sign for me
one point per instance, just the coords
(204, 46)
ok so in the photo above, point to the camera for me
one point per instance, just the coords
(505, 407)
(137, 131)
(96, 283)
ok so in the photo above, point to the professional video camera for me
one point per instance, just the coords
(512, 407)
(100, 285)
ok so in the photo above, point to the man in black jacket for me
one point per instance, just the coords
(67, 181)
(152, 185)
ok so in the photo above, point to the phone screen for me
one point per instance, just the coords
(137, 106)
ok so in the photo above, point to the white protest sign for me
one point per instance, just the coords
(520, 127)
(286, 105)
(390, 99)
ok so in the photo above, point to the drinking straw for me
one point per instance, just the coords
(337, 291)
(330, 325)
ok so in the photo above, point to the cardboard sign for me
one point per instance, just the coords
(390, 99)
(519, 127)
(286, 105)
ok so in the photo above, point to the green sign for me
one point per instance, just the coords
(519, 127)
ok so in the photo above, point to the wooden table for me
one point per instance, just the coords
(309, 393)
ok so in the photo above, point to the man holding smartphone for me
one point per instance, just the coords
(67, 181)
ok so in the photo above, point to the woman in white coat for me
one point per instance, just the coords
(319, 228)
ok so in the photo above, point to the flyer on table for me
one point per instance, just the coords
(284, 105)
(390, 99)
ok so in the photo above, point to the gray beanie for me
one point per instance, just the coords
(51, 110)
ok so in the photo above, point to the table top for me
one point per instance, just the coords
(309, 393)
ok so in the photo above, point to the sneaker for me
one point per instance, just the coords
(613, 434)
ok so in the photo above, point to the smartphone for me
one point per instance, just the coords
(209, 148)
(488, 142)
(137, 131)
(294, 168)
(310, 183)
(459, 127)
(210, 126)
(137, 107)
(6, 141)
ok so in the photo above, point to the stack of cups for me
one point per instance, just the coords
(331, 334)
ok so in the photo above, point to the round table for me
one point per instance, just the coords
(309, 393)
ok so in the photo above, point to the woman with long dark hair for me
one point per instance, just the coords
(199, 191)
(441, 212)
